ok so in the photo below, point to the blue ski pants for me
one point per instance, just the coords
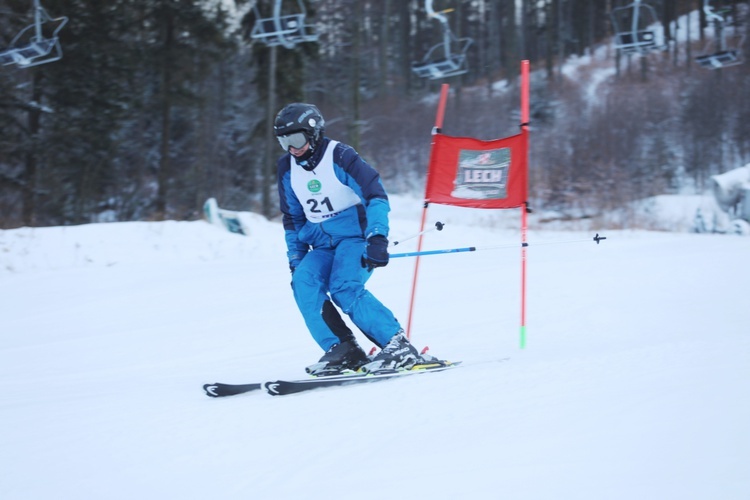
(338, 272)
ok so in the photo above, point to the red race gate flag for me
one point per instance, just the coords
(468, 172)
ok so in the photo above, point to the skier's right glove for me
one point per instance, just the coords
(376, 252)
(294, 262)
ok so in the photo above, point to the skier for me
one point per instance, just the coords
(335, 217)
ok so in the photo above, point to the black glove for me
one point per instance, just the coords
(376, 252)
(295, 259)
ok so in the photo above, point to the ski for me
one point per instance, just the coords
(218, 390)
(286, 387)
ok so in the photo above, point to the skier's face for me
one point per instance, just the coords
(297, 152)
(295, 143)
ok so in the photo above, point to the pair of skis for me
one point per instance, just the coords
(285, 387)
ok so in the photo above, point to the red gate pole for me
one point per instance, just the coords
(438, 125)
(525, 206)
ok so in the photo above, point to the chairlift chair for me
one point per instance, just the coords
(724, 56)
(633, 26)
(283, 29)
(444, 59)
(31, 47)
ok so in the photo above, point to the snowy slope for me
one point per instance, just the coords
(634, 382)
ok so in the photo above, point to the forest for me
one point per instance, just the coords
(156, 105)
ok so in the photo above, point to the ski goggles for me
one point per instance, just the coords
(296, 140)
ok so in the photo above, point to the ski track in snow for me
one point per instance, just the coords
(633, 384)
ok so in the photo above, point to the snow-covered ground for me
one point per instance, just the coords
(635, 381)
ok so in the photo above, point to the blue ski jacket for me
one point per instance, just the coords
(366, 218)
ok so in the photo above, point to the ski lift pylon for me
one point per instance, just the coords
(283, 28)
(31, 46)
(633, 25)
(724, 56)
(444, 59)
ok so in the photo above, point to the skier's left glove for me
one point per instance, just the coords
(376, 252)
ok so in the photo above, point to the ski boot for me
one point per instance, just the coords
(398, 354)
(339, 359)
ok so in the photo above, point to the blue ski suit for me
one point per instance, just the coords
(330, 205)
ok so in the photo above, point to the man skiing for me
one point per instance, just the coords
(335, 217)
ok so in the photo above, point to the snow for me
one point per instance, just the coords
(634, 382)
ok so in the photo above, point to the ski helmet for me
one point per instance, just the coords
(299, 118)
